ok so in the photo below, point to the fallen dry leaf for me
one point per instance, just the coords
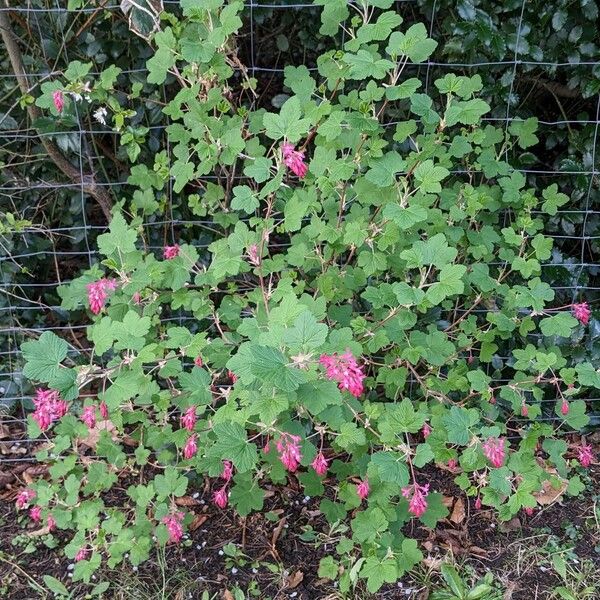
(197, 521)
(447, 501)
(549, 494)
(294, 580)
(227, 595)
(93, 436)
(187, 501)
(512, 525)
(458, 512)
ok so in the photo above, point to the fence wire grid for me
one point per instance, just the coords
(38, 257)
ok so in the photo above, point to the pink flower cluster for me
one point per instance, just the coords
(494, 450)
(174, 523)
(82, 553)
(581, 312)
(363, 489)
(294, 160)
(426, 430)
(416, 495)
(171, 252)
(585, 455)
(49, 407)
(564, 407)
(320, 464)
(88, 415)
(253, 255)
(188, 419)
(345, 370)
(59, 100)
(221, 496)
(98, 293)
(288, 448)
(24, 497)
(191, 447)
(103, 410)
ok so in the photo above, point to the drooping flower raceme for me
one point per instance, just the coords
(288, 449)
(494, 450)
(59, 100)
(426, 430)
(294, 160)
(220, 497)
(51, 523)
(362, 489)
(82, 553)
(170, 252)
(320, 464)
(188, 419)
(585, 455)
(49, 407)
(88, 416)
(191, 447)
(24, 497)
(253, 255)
(564, 407)
(344, 369)
(581, 312)
(97, 293)
(103, 410)
(174, 523)
(416, 495)
(35, 512)
(227, 472)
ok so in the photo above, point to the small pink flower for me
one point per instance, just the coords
(24, 497)
(253, 255)
(170, 252)
(267, 447)
(585, 455)
(294, 160)
(426, 430)
(362, 489)
(345, 370)
(137, 298)
(59, 100)
(188, 419)
(35, 512)
(528, 510)
(49, 407)
(524, 410)
(478, 503)
(174, 523)
(198, 361)
(232, 376)
(88, 416)
(417, 504)
(227, 472)
(82, 553)
(452, 464)
(289, 451)
(492, 399)
(191, 447)
(564, 408)
(581, 312)
(97, 292)
(494, 450)
(320, 464)
(51, 523)
(220, 497)
(103, 410)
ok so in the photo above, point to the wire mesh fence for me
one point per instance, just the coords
(48, 248)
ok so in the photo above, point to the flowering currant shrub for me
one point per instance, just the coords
(368, 301)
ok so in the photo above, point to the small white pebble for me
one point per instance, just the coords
(70, 567)
(233, 570)
(134, 567)
(70, 575)
(293, 594)
(93, 577)
(203, 544)
(543, 569)
(254, 570)
(286, 526)
(127, 555)
(195, 495)
(202, 502)
(198, 547)
(220, 552)
(306, 498)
